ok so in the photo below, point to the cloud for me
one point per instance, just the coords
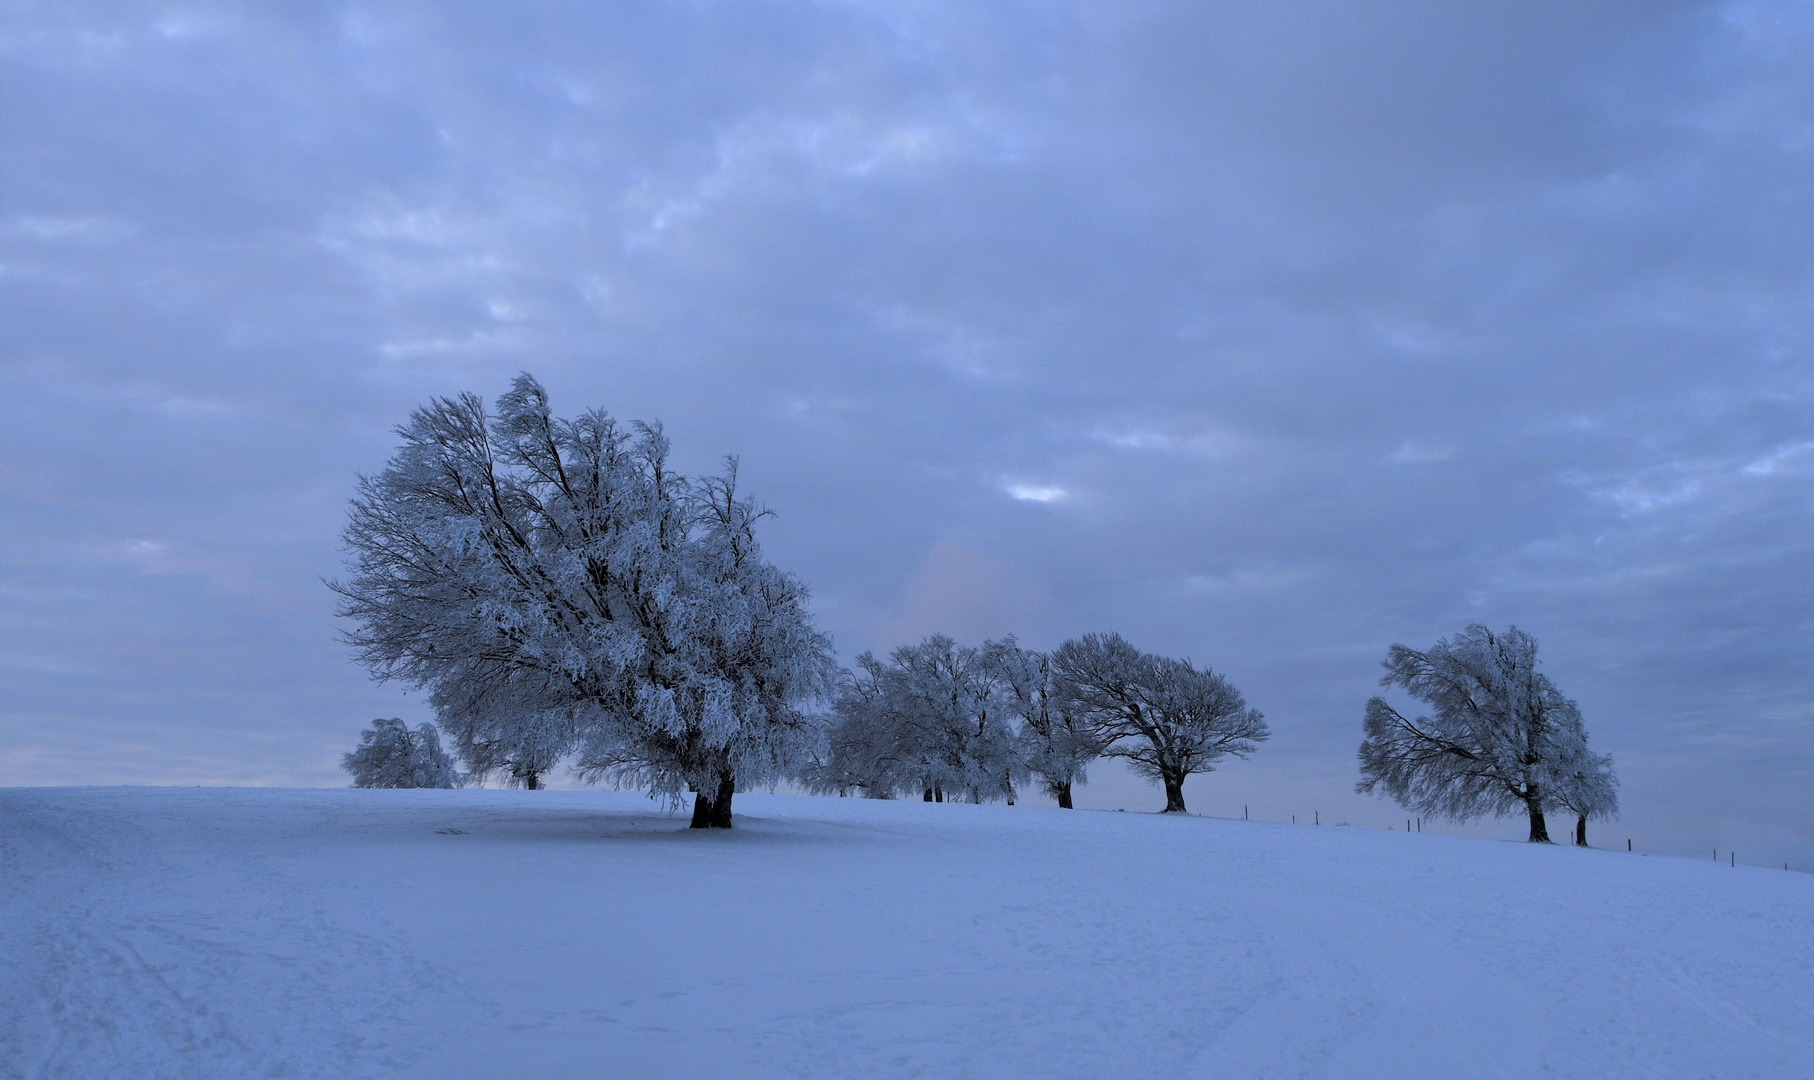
(1323, 328)
(1039, 493)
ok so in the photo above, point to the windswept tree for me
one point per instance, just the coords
(1586, 786)
(1166, 717)
(1057, 742)
(390, 755)
(930, 720)
(560, 590)
(1496, 742)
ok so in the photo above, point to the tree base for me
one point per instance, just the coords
(714, 812)
(1539, 828)
(1174, 797)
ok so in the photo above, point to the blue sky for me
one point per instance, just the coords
(1268, 334)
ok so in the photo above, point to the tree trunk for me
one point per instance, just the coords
(1174, 795)
(938, 794)
(1064, 796)
(928, 794)
(715, 812)
(1539, 828)
(531, 781)
(1580, 830)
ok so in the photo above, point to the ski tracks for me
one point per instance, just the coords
(131, 954)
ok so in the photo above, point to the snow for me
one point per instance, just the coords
(245, 933)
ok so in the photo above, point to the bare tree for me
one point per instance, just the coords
(1498, 734)
(1166, 717)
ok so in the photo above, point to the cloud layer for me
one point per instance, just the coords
(1269, 334)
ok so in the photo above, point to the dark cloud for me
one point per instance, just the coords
(1264, 333)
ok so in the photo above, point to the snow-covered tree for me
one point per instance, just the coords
(928, 720)
(390, 755)
(1585, 784)
(1056, 743)
(1166, 717)
(560, 590)
(1499, 738)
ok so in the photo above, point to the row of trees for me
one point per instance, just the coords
(939, 718)
(563, 594)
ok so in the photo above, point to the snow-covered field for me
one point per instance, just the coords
(251, 933)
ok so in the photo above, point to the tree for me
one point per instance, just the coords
(1586, 785)
(1497, 739)
(929, 720)
(1056, 742)
(390, 755)
(1166, 717)
(559, 589)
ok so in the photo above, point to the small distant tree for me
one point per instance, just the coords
(1056, 742)
(1586, 785)
(1498, 738)
(1166, 717)
(390, 755)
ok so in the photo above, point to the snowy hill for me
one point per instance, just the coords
(241, 933)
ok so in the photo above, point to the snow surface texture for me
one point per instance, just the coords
(249, 933)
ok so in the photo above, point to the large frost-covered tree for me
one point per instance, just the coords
(1056, 741)
(1166, 717)
(560, 590)
(1500, 739)
(929, 720)
(390, 755)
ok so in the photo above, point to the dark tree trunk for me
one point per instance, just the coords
(928, 794)
(1174, 795)
(1580, 830)
(715, 812)
(1064, 796)
(1539, 828)
(532, 781)
(938, 794)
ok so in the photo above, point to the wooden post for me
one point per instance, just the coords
(1628, 844)
(1319, 817)
(1243, 811)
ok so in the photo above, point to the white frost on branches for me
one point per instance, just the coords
(932, 720)
(390, 755)
(560, 590)
(1501, 739)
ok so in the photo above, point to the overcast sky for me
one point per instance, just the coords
(1265, 333)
